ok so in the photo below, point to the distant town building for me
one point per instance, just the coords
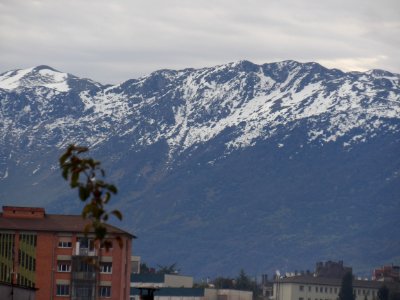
(51, 253)
(158, 281)
(323, 284)
(387, 273)
(321, 288)
(174, 287)
(135, 264)
(195, 294)
(331, 269)
(266, 286)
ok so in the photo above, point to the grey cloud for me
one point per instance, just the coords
(111, 41)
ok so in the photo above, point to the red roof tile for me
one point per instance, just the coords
(53, 223)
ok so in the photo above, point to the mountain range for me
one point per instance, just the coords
(238, 166)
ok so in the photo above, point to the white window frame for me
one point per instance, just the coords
(106, 267)
(104, 291)
(64, 267)
(64, 244)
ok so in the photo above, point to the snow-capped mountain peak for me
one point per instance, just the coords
(41, 76)
(190, 107)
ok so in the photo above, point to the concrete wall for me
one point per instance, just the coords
(178, 281)
(234, 295)
(296, 291)
(15, 293)
(212, 294)
(176, 298)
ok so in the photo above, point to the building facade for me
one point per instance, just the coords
(178, 287)
(15, 292)
(387, 273)
(52, 254)
(158, 281)
(319, 288)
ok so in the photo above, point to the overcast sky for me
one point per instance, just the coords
(112, 41)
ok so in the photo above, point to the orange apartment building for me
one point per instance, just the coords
(50, 252)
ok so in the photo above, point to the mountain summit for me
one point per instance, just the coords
(222, 168)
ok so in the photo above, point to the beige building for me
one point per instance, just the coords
(161, 281)
(196, 294)
(178, 287)
(308, 287)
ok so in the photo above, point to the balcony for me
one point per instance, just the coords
(85, 248)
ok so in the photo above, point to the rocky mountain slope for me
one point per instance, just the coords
(236, 166)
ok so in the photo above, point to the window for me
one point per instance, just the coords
(106, 267)
(309, 288)
(62, 289)
(301, 298)
(86, 267)
(330, 290)
(64, 244)
(85, 243)
(335, 290)
(316, 289)
(321, 289)
(301, 288)
(64, 267)
(105, 291)
(326, 289)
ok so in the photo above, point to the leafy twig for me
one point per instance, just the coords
(95, 192)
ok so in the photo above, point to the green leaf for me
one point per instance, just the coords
(84, 192)
(63, 158)
(74, 179)
(87, 228)
(107, 197)
(87, 210)
(100, 232)
(65, 173)
(117, 213)
(81, 149)
(112, 188)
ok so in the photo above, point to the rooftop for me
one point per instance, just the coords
(35, 219)
(308, 279)
(174, 292)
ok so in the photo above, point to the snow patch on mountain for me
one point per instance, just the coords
(12, 79)
(190, 107)
(35, 77)
(54, 80)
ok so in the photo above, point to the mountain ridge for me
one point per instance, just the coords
(205, 155)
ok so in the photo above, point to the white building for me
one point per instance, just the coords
(308, 287)
(177, 287)
(161, 281)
